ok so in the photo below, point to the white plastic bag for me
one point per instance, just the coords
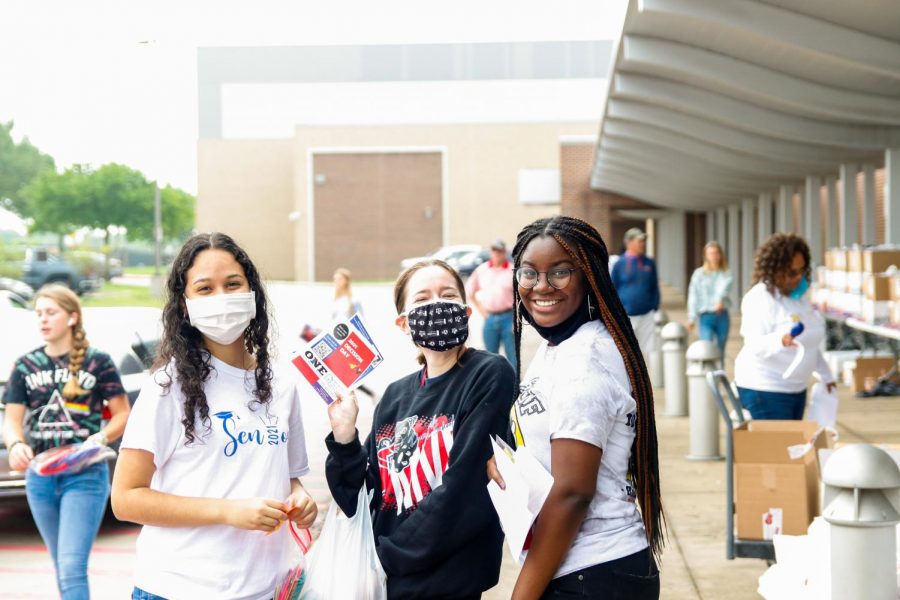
(343, 562)
(823, 406)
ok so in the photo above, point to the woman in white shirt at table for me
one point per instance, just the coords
(773, 368)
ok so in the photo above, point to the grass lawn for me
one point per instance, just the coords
(121, 295)
(151, 270)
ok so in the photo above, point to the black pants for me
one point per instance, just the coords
(633, 577)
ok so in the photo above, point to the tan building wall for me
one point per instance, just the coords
(248, 188)
(245, 188)
(481, 178)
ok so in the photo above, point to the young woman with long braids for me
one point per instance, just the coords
(59, 391)
(585, 410)
(211, 459)
(436, 533)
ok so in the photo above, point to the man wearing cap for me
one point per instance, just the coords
(490, 291)
(634, 276)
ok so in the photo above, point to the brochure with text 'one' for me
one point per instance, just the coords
(339, 358)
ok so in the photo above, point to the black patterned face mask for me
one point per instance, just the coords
(438, 325)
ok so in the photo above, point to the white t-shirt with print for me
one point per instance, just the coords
(765, 318)
(580, 390)
(248, 451)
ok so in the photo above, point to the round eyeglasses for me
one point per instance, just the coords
(557, 278)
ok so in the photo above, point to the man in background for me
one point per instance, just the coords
(634, 276)
(490, 291)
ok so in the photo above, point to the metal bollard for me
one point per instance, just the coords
(655, 357)
(701, 359)
(863, 484)
(674, 340)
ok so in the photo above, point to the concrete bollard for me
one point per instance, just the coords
(863, 486)
(701, 359)
(674, 340)
(656, 362)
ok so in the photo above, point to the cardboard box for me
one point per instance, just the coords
(767, 478)
(855, 260)
(877, 260)
(877, 287)
(854, 282)
(869, 367)
(895, 288)
(839, 259)
(875, 311)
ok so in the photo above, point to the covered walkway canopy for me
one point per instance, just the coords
(763, 115)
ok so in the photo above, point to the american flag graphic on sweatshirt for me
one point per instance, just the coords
(412, 457)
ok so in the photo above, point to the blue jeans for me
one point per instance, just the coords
(633, 577)
(767, 406)
(68, 510)
(139, 594)
(714, 327)
(498, 327)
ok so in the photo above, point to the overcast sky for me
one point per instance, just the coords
(81, 81)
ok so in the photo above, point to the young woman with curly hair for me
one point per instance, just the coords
(585, 411)
(211, 459)
(770, 313)
(59, 391)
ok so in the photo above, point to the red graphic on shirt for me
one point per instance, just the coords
(412, 457)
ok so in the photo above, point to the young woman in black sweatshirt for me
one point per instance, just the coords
(436, 532)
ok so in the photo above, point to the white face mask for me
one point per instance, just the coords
(223, 317)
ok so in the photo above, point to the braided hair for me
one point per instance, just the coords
(585, 246)
(182, 343)
(68, 301)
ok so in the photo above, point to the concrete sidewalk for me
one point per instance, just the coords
(693, 563)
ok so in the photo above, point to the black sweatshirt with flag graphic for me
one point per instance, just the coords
(436, 531)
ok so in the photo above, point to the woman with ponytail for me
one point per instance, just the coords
(56, 396)
(585, 411)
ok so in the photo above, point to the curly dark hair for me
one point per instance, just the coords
(183, 342)
(774, 256)
(588, 250)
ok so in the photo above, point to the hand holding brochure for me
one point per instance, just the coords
(528, 484)
(339, 358)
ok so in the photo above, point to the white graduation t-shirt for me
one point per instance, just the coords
(580, 390)
(248, 451)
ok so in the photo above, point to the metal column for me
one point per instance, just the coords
(784, 210)
(748, 245)
(892, 196)
(734, 215)
(849, 217)
(812, 217)
(868, 212)
(831, 215)
(764, 217)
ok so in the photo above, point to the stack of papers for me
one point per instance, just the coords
(339, 358)
(528, 484)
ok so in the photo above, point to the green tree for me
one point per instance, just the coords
(111, 195)
(55, 200)
(19, 165)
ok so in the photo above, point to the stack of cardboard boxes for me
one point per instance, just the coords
(861, 283)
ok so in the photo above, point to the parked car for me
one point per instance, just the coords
(41, 267)
(128, 334)
(449, 254)
(467, 263)
(19, 288)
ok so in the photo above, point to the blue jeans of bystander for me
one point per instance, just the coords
(773, 405)
(67, 510)
(498, 327)
(714, 327)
